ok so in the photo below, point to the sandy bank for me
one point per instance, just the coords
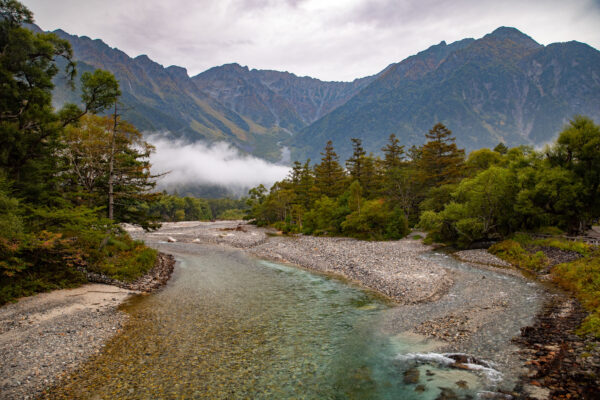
(47, 335)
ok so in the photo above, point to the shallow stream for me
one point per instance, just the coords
(230, 326)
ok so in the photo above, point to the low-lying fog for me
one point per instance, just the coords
(218, 164)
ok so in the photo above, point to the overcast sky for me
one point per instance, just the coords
(329, 40)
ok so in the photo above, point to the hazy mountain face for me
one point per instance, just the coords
(502, 87)
(252, 109)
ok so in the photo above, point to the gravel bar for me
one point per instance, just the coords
(391, 268)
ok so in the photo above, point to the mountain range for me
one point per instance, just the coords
(503, 87)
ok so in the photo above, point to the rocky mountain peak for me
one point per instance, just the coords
(505, 33)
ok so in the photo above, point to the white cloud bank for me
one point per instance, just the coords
(218, 164)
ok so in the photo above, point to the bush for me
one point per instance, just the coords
(232, 214)
(582, 277)
(512, 252)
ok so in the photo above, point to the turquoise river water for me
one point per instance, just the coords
(230, 326)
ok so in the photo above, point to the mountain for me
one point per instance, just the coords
(504, 87)
(273, 98)
(252, 109)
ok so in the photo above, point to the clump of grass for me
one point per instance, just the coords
(512, 252)
(416, 237)
(582, 278)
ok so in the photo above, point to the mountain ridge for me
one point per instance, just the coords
(494, 89)
(503, 86)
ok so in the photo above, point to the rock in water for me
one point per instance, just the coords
(171, 239)
(411, 376)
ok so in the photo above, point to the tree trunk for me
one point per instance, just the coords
(111, 163)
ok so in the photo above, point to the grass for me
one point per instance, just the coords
(580, 277)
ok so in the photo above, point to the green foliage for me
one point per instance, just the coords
(490, 196)
(511, 251)
(577, 150)
(582, 277)
(329, 174)
(441, 162)
(482, 159)
(367, 222)
(51, 201)
(172, 208)
(232, 214)
(218, 207)
(123, 259)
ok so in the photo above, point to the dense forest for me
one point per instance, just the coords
(68, 177)
(435, 187)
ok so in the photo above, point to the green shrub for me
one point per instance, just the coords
(582, 277)
(232, 214)
(512, 252)
(550, 230)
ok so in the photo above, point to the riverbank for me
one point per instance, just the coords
(560, 364)
(47, 336)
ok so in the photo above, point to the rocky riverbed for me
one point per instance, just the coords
(391, 268)
(474, 307)
(47, 336)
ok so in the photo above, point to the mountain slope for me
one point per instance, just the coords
(272, 104)
(502, 87)
(273, 98)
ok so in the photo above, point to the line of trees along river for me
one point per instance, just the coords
(487, 195)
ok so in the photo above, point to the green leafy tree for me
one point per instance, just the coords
(95, 155)
(578, 150)
(29, 127)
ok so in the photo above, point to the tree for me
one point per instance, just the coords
(501, 148)
(440, 162)
(578, 150)
(394, 153)
(356, 162)
(482, 159)
(329, 174)
(102, 162)
(29, 127)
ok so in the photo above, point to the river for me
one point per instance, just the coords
(231, 326)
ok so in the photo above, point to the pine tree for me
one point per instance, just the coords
(329, 174)
(355, 163)
(394, 153)
(441, 162)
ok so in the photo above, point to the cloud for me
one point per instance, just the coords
(217, 164)
(325, 39)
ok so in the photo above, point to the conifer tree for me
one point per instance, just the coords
(394, 153)
(329, 174)
(355, 163)
(440, 162)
